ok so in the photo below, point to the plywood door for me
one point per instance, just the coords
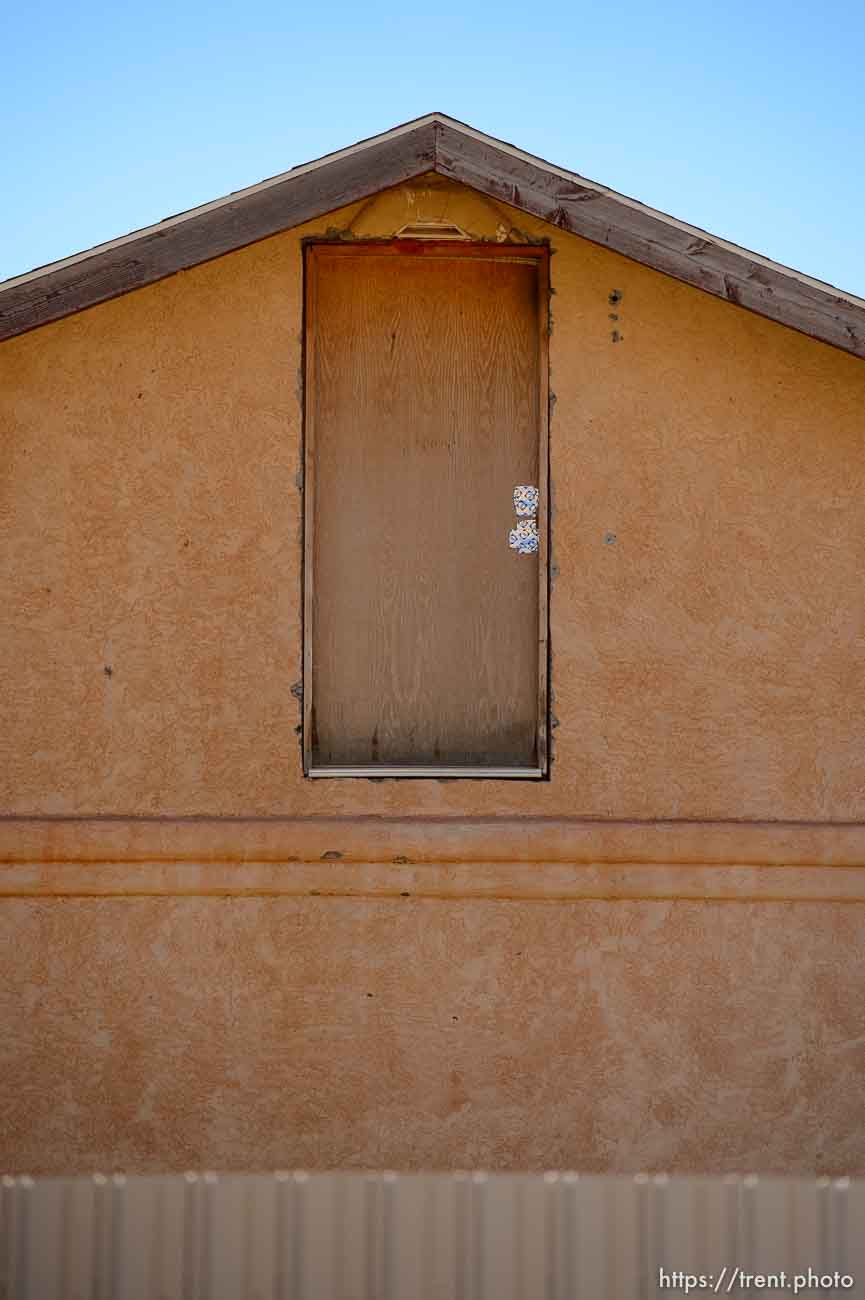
(425, 634)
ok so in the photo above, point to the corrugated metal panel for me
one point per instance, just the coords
(557, 1236)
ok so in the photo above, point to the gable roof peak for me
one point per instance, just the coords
(440, 143)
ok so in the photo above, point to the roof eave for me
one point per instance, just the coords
(201, 234)
(453, 149)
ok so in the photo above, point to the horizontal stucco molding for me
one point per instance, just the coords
(524, 882)
(438, 840)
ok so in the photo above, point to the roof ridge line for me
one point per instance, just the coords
(460, 152)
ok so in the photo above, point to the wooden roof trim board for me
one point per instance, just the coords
(441, 144)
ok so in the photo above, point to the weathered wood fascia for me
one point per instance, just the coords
(457, 151)
(179, 244)
(662, 244)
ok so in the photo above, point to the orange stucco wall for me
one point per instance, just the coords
(653, 959)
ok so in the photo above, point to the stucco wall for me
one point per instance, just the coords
(707, 664)
(707, 670)
(271, 1033)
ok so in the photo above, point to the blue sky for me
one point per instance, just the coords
(745, 119)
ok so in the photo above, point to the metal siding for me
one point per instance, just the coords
(470, 1236)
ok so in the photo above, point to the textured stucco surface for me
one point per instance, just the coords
(708, 663)
(193, 1033)
(707, 639)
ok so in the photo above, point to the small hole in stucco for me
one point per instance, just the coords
(332, 855)
(401, 860)
(369, 995)
(108, 670)
(454, 1017)
(405, 894)
(615, 296)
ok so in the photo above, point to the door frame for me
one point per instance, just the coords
(539, 254)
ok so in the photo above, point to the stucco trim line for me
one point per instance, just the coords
(525, 882)
(453, 149)
(382, 839)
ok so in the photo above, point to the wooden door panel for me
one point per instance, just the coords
(423, 405)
